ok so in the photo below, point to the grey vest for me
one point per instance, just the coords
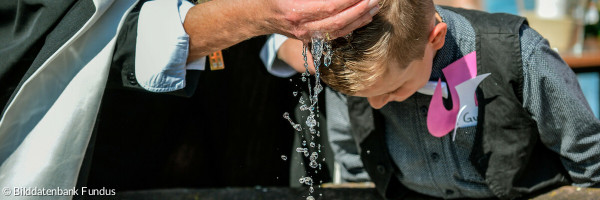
(506, 136)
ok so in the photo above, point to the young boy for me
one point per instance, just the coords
(506, 119)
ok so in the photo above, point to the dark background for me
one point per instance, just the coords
(230, 133)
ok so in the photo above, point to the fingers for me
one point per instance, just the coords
(329, 8)
(364, 20)
(339, 17)
(347, 20)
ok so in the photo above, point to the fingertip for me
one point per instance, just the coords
(368, 21)
(373, 3)
(374, 10)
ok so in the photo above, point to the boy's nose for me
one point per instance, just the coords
(378, 102)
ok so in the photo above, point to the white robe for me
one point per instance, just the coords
(46, 128)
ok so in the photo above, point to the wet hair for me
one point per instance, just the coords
(397, 33)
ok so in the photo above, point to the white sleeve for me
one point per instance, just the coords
(268, 54)
(162, 46)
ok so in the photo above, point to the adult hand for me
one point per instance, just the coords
(301, 18)
(218, 24)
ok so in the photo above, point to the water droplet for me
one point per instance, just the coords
(283, 157)
(368, 151)
(308, 181)
(303, 79)
(298, 127)
(303, 108)
(312, 144)
(315, 155)
(328, 54)
(306, 153)
(300, 149)
(311, 189)
(318, 88)
(320, 194)
(310, 121)
(295, 93)
(301, 180)
(310, 198)
(313, 164)
(303, 142)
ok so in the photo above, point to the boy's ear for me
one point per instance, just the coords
(437, 37)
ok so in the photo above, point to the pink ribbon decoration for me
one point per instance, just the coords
(439, 120)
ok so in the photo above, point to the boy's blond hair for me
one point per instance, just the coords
(397, 33)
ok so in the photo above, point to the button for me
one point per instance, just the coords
(449, 192)
(423, 110)
(131, 76)
(435, 157)
(381, 169)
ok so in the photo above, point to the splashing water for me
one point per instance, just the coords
(313, 164)
(314, 156)
(298, 127)
(308, 181)
(320, 49)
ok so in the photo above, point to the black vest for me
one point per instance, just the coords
(506, 137)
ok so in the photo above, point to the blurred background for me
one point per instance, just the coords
(571, 27)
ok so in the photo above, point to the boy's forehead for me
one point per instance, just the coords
(387, 81)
